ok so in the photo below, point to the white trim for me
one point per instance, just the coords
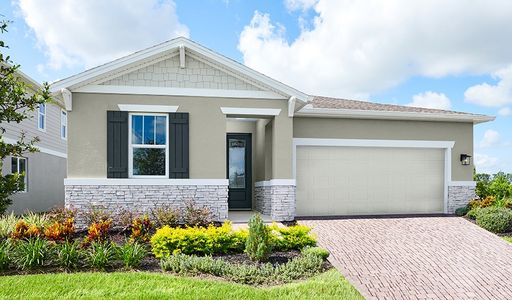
(274, 182)
(169, 46)
(67, 96)
(447, 145)
(182, 57)
(250, 111)
(291, 106)
(41, 149)
(462, 183)
(148, 108)
(132, 146)
(373, 143)
(170, 91)
(308, 111)
(144, 181)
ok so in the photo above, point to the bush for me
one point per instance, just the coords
(68, 255)
(101, 255)
(297, 268)
(39, 220)
(494, 219)
(196, 240)
(7, 223)
(316, 251)
(166, 216)
(132, 254)
(31, 253)
(488, 201)
(61, 214)
(140, 228)
(97, 215)
(60, 230)
(98, 232)
(196, 216)
(472, 213)
(258, 245)
(462, 211)
(5, 254)
(22, 230)
(292, 237)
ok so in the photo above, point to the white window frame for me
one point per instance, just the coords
(131, 147)
(64, 124)
(43, 115)
(25, 179)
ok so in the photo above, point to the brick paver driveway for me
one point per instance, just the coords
(418, 258)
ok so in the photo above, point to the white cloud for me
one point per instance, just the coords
(505, 112)
(355, 48)
(299, 4)
(77, 32)
(491, 138)
(485, 163)
(492, 95)
(431, 100)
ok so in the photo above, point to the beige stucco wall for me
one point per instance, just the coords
(88, 134)
(461, 133)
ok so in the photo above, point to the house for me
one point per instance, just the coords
(178, 121)
(45, 170)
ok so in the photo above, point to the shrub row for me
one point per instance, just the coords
(495, 219)
(36, 253)
(307, 264)
(222, 240)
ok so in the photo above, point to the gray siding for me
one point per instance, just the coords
(49, 139)
(45, 188)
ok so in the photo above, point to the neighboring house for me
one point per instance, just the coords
(45, 170)
(178, 121)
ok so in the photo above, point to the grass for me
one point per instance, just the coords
(329, 285)
(507, 238)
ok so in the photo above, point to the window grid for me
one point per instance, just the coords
(41, 117)
(19, 165)
(63, 125)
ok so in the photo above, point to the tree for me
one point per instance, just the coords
(18, 101)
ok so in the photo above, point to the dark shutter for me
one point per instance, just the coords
(178, 145)
(117, 144)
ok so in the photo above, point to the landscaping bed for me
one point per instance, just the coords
(260, 255)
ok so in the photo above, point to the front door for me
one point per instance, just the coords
(239, 170)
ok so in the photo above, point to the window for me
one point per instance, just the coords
(63, 124)
(149, 150)
(41, 117)
(19, 165)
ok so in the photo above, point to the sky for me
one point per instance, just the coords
(453, 55)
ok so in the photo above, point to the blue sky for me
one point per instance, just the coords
(429, 54)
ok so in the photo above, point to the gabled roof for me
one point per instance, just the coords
(335, 107)
(168, 47)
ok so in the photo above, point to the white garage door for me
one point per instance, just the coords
(369, 180)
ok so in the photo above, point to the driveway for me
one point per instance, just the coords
(418, 258)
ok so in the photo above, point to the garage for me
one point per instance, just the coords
(369, 180)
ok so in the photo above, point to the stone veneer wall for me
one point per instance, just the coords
(459, 196)
(142, 198)
(276, 201)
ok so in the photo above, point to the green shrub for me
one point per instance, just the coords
(5, 254)
(297, 268)
(101, 255)
(292, 237)
(194, 215)
(31, 253)
(494, 219)
(258, 245)
(472, 213)
(132, 254)
(40, 220)
(166, 215)
(316, 251)
(68, 255)
(462, 211)
(196, 240)
(7, 223)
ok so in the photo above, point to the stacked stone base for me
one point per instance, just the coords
(459, 196)
(116, 199)
(276, 201)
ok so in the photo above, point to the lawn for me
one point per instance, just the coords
(329, 285)
(507, 238)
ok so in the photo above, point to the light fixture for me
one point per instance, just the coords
(465, 159)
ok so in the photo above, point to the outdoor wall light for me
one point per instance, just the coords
(465, 159)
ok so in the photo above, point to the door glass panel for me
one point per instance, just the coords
(236, 163)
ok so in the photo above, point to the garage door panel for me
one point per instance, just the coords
(367, 180)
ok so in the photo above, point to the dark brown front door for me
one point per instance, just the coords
(239, 169)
